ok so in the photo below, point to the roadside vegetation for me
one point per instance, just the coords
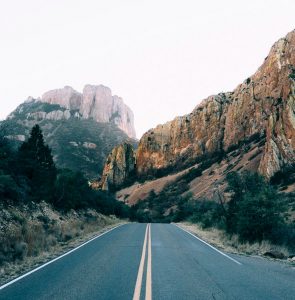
(30, 175)
(256, 212)
(43, 207)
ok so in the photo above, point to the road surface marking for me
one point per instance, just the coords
(137, 290)
(232, 259)
(148, 287)
(51, 261)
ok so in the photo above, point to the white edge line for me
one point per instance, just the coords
(220, 252)
(57, 258)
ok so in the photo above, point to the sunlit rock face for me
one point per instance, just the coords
(264, 103)
(66, 97)
(119, 166)
(97, 103)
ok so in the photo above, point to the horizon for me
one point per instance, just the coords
(167, 65)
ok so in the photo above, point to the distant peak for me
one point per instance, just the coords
(95, 102)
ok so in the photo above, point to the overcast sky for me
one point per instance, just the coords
(161, 56)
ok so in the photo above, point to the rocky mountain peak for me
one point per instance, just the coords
(96, 102)
(66, 97)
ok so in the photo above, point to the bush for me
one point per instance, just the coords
(285, 176)
(255, 210)
(9, 191)
(191, 174)
(206, 213)
(73, 192)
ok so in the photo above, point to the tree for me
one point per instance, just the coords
(256, 209)
(36, 164)
(72, 191)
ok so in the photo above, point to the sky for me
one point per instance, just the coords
(161, 56)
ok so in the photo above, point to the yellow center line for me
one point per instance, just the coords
(148, 287)
(137, 290)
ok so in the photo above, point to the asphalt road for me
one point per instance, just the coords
(157, 261)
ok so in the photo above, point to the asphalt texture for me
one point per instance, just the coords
(182, 267)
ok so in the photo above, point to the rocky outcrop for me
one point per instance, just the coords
(263, 103)
(66, 97)
(53, 115)
(119, 167)
(262, 106)
(96, 102)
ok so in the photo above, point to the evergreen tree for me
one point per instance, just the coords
(36, 163)
(256, 209)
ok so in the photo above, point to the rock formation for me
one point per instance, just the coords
(119, 166)
(264, 104)
(66, 97)
(96, 102)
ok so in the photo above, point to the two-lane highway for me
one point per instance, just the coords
(157, 261)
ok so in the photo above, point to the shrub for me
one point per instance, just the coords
(255, 210)
(191, 174)
(9, 191)
(285, 176)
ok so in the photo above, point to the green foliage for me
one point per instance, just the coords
(207, 213)
(191, 174)
(255, 210)
(68, 138)
(73, 192)
(9, 191)
(37, 106)
(36, 163)
(161, 207)
(292, 74)
(30, 175)
(285, 176)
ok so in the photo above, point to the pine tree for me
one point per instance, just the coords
(36, 164)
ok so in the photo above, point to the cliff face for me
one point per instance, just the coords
(97, 103)
(264, 103)
(119, 166)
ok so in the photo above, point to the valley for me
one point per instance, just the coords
(191, 210)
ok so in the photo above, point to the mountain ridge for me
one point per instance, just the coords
(263, 105)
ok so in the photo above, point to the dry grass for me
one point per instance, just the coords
(221, 240)
(139, 191)
(30, 239)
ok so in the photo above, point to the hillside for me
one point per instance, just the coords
(256, 120)
(79, 141)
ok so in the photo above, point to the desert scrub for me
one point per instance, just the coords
(25, 233)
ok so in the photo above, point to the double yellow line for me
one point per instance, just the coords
(148, 286)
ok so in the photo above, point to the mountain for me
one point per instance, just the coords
(80, 128)
(252, 127)
(97, 103)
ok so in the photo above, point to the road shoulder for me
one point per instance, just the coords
(221, 241)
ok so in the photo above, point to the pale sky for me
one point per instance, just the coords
(161, 56)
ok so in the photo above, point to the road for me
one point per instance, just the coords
(157, 261)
